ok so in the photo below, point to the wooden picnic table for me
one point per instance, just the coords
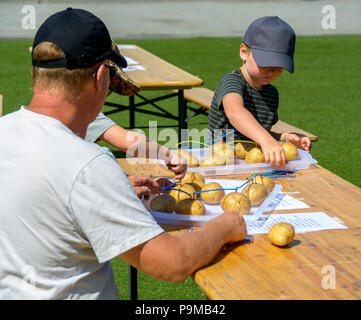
(151, 72)
(260, 270)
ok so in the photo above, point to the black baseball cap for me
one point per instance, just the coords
(82, 36)
(272, 41)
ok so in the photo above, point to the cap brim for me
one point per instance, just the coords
(272, 59)
(122, 84)
(118, 59)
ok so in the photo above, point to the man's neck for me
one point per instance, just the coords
(75, 115)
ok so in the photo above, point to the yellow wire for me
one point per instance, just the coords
(242, 141)
(193, 142)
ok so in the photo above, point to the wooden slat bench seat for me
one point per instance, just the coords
(202, 97)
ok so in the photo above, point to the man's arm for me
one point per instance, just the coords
(246, 124)
(175, 257)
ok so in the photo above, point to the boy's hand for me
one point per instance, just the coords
(274, 154)
(177, 164)
(300, 141)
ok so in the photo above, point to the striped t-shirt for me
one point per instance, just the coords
(263, 105)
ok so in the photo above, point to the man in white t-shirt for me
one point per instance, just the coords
(66, 208)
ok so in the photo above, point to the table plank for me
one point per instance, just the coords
(159, 74)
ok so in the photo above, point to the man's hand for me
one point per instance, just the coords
(177, 164)
(143, 185)
(300, 141)
(238, 227)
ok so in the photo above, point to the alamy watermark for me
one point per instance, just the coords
(28, 20)
(329, 279)
(200, 139)
(328, 22)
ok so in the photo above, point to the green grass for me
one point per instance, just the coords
(323, 97)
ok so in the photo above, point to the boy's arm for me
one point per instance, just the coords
(246, 124)
(138, 145)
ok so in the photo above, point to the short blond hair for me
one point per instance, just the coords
(70, 82)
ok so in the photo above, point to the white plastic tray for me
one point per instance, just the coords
(212, 211)
(303, 161)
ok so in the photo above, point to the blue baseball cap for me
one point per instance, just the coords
(82, 36)
(272, 41)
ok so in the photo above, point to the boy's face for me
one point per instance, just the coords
(258, 76)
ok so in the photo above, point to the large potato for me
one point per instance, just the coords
(241, 149)
(195, 179)
(291, 151)
(212, 197)
(256, 193)
(267, 182)
(281, 234)
(163, 203)
(223, 150)
(192, 161)
(191, 207)
(179, 195)
(212, 161)
(255, 155)
(236, 202)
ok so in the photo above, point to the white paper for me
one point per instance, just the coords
(133, 68)
(130, 60)
(285, 202)
(126, 46)
(302, 222)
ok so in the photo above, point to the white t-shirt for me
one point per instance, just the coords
(66, 209)
(96, 128)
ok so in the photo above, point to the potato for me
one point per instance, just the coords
(255, 155)
(191, 207)
(281, 234)
(268, 183)
(192, 161)
(256, 193)
(223, 150)
(236, 202)
(212, 160)
(163, 203)
(291, 151)
(195, 179)
(241, 149)
(179, 195)
(212, 197)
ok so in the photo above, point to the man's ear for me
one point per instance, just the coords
(243, 52)
(100, 77)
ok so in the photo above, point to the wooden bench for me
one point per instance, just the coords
(202, 97)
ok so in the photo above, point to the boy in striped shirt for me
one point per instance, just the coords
(245, 102)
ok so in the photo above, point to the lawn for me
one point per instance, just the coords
(323, 97)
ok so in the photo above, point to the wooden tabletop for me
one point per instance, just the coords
(260, 270)
(158, 73)
(311, 265)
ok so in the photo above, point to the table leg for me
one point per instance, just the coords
(132, 283)
(131, 113)
(182, 115)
